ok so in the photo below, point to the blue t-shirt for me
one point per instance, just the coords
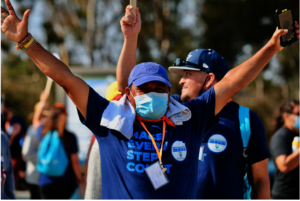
(71, 147)
(123, 161)
(221, 167)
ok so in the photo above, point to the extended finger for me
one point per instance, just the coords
(4, 13)
(11, 9)
(296, 24)
(26, 16)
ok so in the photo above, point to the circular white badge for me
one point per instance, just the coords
(217, 143)
(179, 150)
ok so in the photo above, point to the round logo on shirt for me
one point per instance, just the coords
(217, 143)
(179, 150)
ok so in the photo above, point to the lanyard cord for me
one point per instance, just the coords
(159, 153)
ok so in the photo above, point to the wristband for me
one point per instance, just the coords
(28, 42)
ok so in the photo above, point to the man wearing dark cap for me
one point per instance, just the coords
(143, 154)
(221, 170)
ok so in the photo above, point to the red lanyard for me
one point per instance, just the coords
(165, 121)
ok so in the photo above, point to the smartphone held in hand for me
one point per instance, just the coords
(284, 18)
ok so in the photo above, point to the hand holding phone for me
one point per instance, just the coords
(285, 20)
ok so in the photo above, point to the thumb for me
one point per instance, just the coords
(26, 16)
(280, 32)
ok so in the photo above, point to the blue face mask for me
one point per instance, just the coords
(297, 121)
(152, 105)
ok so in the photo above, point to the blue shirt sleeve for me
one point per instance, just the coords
(95, 108)
(203, 111)
(176, 97)
(257, 148)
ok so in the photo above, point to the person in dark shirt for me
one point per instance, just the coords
(286, 128)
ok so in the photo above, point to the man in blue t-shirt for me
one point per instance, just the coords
(125, 158)
(221, 166)
(220, 171)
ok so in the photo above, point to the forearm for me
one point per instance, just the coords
(261, 190)
(36, 121)
(261, 180)
(242, 75)
(127, 61)
(75, 165)
(49, 64)
(74, 87)
(288, 163)
(245, 73)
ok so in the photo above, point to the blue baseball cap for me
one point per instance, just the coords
(206, 60)
(148, 72)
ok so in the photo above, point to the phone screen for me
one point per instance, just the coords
(286, 22)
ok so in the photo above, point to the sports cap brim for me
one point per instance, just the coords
(150, 78)
(179, 70)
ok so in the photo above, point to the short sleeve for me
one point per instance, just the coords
(203, 111)
(95, 108)
(257, 148)
(279, 145)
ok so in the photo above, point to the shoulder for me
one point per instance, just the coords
(95, 96)
(206, 97)
(69, 134)
(176, 97)
(280, 134)
(255, 120)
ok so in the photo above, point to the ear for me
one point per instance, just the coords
(129, 96)
(127, 92)
(211, 78)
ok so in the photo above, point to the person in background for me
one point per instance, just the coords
(286, 128)
(93, 166)
(7, 177)
(61, 187)
(31, 145)
(15, 128)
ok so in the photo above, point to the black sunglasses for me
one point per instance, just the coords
(181, 62)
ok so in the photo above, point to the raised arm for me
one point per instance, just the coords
(17, 30)
(242, 75)
(37, 116)
(127, 59)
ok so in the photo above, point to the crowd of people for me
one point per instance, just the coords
(149, 144)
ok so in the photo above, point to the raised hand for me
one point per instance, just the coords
(128, 27)
(14, 28)
(275, 40)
